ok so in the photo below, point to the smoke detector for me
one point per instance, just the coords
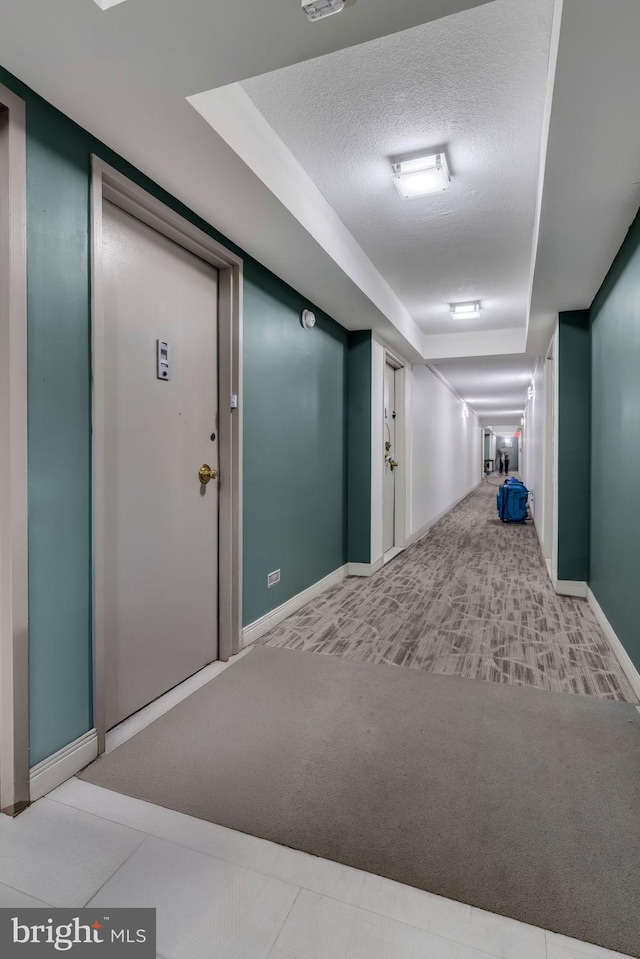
(317, 9)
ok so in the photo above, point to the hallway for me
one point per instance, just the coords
(471, 598)
(253, 374)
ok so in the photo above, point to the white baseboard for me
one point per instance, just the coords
(620, 652)
(365, 569)
(261, 626)
(56, 769)
(570, 587)
(566, 587)
(419, 533)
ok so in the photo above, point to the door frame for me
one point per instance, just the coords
(108, 184)
(551, 454)
(401, 448)
(484, 433)
(14, 605)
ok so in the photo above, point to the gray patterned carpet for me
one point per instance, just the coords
(472, 598)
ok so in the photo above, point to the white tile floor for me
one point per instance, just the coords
(223, 895)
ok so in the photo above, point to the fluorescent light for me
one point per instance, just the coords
(316, 9)
(421, 176)
(105, 4)
(465, 311)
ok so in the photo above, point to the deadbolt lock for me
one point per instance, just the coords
(205, 473)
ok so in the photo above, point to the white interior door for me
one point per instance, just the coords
(161, 523)
(389, 490)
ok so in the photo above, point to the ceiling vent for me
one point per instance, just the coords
(317, 9)
(106, 4)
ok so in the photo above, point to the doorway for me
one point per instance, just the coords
(510, 443)
(160, 426)
(166, 318)
(391, 463)
(487, 459)
(549, 460)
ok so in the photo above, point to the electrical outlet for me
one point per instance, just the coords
(273, 578)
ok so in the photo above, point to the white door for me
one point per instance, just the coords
(161, 523)
(389, 491)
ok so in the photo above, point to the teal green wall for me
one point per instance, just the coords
(59, 417)
(615, 442)
(295, 441)
(359, 455)
(574, 425)
(295, 421)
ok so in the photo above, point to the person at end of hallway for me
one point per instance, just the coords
(499, 461)
(505, 458)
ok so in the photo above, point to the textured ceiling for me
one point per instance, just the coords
(495, 387)
(124, 74)
(592, 181)
(190, 45)
(474, 83)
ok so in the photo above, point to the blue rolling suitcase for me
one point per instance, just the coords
(512, 501)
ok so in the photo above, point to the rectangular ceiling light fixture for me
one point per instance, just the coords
(421, 176)
(465, 311)
(317, 9)
(105, 4)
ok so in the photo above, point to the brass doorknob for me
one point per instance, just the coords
(205, 474)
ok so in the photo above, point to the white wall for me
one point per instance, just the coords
(533, 441)
(445, 449)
